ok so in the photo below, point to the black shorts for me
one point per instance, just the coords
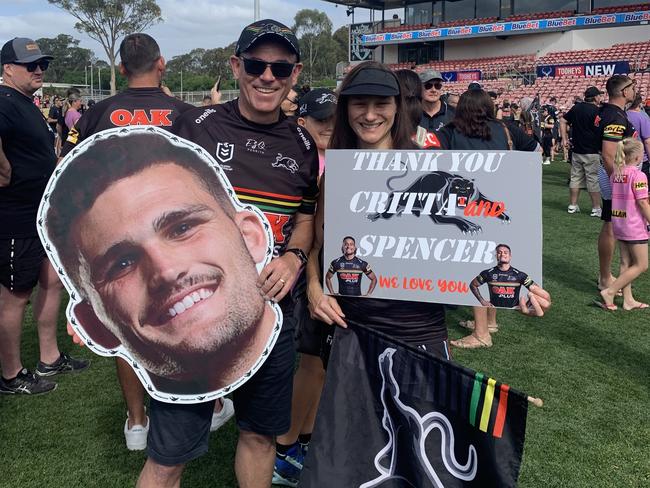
(20, 263)
(180, 433)
(606, 213)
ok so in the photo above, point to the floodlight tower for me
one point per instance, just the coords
(256, 14)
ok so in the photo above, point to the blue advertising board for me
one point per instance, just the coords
(509, 28)
(603, 68)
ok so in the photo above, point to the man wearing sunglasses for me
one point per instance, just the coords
(273, 163)
(27, 159)
(612, 126)
(436, 112)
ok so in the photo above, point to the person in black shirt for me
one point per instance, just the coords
(27, 160)
(586, 148)
(548, 123)
(349, 269)
(504, 283)
(474, 127)
(436, 111)
(272, 163)
(142, 103)
(612, 126)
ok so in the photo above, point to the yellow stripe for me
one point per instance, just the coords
(487, 405)
(504, 283)
(267, 200)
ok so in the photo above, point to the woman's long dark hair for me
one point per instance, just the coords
(411, 88)
(343, 137)
(475, 108)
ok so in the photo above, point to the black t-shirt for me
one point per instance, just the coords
(612, 124)
(349, 273)
(133, 106)
(504, 286)
(452, 138)
(273, 166)
(438, 120)
(55, 114)
(28, 144)
(583, 134)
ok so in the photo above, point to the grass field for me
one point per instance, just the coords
(590, 367)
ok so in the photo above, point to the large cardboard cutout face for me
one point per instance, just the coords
(161, 262)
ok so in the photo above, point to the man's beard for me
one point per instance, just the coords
(244, 310)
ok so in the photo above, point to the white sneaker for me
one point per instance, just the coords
(573, 209)
(596, 212)
(546, 162)
(227, 411)
(136, 436)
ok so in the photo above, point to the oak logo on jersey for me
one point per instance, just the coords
(225, 151)
(285, 162)
(157, 117)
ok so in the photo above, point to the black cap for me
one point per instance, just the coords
(474, 86)
(266, 28)
(319, 103)
(592, 92)
(373, 81)
(21, 50)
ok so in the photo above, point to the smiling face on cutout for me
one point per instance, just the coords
(164, 268)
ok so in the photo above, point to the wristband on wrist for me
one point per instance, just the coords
(298, 252)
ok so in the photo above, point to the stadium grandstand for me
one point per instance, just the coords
(513, 47)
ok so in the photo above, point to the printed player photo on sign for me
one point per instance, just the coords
(161, 262)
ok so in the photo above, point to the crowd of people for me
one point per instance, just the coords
(373, 108)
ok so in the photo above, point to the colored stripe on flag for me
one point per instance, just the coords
(501, 412)
(487, 405)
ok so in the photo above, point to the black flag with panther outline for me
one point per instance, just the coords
(394, 416)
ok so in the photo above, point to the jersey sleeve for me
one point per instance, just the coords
(310, 194)
(77, 134)
(5, 124)
(614, 128)
(640, 186)
(366, 267)
(332, 268)
(520, 140)
(526, 280)
(483, 276)
(570, 115)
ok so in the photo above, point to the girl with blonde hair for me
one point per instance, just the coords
(630, 222)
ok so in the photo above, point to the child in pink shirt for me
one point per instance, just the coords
(630, 217)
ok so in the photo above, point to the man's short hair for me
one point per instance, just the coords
(504, 245)
(139, 53)
(349, 237)
(616, 83)
(102, 164)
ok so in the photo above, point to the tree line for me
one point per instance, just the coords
(321, 50)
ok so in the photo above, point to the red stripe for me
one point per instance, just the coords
(267, 194)
(501, 412)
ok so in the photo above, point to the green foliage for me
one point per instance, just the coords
(108, 20)
(69, 59)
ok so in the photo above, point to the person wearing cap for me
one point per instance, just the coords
(316, 114)
(586, 148)
(27, 159)
(436, 112)
(272, 163)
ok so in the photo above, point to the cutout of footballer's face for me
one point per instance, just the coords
(503, 255)
(349, 248)
(166, 269)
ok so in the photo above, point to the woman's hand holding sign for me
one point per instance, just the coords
(536, 303)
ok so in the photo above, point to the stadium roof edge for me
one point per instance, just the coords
(378, 4)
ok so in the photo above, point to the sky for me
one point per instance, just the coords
(187, 24)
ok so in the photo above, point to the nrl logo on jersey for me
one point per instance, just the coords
(225, 151)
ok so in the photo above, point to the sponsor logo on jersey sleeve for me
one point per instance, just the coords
(614, 131)
(73, 135)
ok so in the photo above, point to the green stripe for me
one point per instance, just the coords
(476, 396)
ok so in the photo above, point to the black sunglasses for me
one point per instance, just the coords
(433, 84)
(256, 67)
(31, 67)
